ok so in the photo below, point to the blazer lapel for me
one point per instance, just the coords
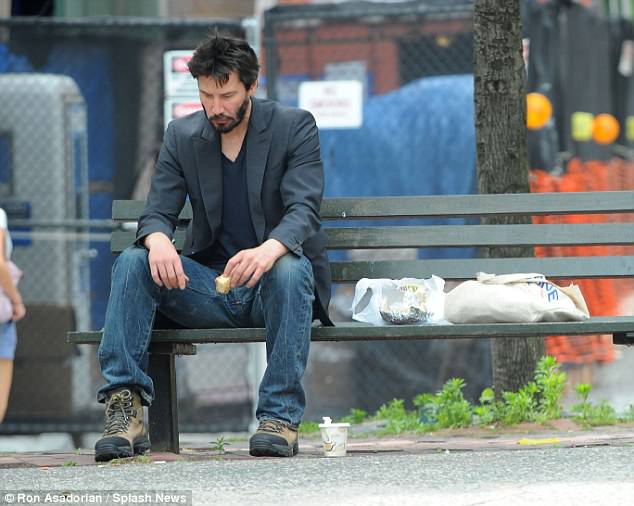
(258, 144)
(209, 170)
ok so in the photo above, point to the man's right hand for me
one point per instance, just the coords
(165, 263)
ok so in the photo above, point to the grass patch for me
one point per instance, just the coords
(308, 427)
(589, 414)
(139, 459)
(538, 401)
(356, 416)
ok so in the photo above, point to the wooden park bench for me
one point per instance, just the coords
(391, 213)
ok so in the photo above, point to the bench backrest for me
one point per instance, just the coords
(428, 223)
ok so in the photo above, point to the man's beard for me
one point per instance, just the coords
(223, 129)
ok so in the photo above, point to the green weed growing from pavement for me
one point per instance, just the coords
(551, 383)
(488, 412)
(589, 414)
(138, 459)
(538, 401)
(219, 445)
(583, 408)
(446, 409)
(356, 416)
(453, 409)
(307, 427)
(427, 409)
(520, 406)
(397, 417)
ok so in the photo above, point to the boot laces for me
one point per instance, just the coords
(272, 426)
(118, 413)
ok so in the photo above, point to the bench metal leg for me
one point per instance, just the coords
(163, 412)
(626, 338)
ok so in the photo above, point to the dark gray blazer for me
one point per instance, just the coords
(284, 178)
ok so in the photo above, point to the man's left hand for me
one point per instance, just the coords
(248, 266)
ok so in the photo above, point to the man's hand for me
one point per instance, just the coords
(165, 263)
(248, 266)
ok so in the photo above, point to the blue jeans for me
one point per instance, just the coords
(281, 301)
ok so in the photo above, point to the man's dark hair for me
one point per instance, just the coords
(218, 56)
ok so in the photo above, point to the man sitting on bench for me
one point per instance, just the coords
(253, 174)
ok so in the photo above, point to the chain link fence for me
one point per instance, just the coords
(413, 133)
(83, 106)
(414, 61)
(82, 115)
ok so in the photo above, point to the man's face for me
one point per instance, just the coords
(225, 106)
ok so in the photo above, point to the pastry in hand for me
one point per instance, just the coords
(223, 284)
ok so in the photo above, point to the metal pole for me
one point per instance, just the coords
(270, 48)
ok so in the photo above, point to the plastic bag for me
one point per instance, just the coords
(406, 301)
(514, 298)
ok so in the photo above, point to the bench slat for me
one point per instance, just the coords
(451, 235)
(479, 235)
(555, 267)
(121, 239)
(451, 269)
(531, 204)
(444, 205)
(353, 331)
(130, 210)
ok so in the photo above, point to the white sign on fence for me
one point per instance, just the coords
(177, 107)
(335, 104)
(177, 78)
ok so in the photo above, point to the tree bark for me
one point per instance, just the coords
(502, 159)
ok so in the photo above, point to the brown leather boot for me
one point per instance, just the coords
(274, 438)
(124, 435)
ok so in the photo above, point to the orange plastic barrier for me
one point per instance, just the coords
(604, 297)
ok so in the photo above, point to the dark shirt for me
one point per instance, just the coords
(236, 230)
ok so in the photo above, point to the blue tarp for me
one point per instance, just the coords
(417, 140)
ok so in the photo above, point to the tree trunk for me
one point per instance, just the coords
(502, 167)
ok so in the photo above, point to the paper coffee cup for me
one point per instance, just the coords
(334, 437)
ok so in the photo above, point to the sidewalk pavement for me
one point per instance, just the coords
(561, 434)
(56, 450)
